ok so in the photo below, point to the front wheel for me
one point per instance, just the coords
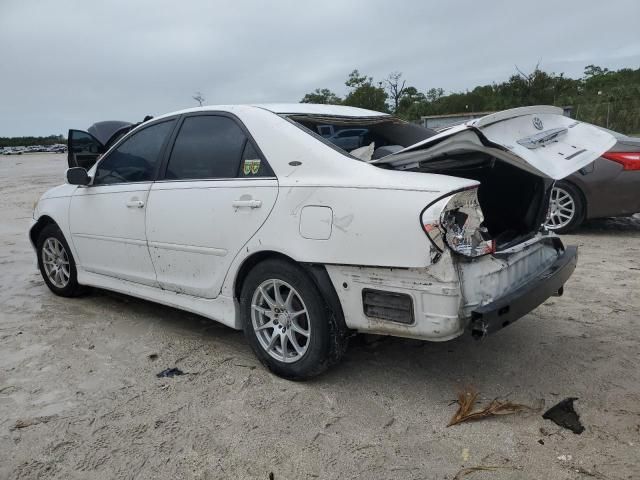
(287, 322)
(566, 208)
(56, 263)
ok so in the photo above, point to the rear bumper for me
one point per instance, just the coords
(498, 314)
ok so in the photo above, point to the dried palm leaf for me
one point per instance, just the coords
(466, 402)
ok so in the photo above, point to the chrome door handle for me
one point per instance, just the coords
(135, 204)
(247, 203)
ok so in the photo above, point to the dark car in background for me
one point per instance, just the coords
(609, 187)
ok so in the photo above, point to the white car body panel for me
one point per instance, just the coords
(107, 225)
(186, 243)
(192, 252)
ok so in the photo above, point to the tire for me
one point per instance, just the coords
(283, 323)
(54, 255)
(566, 208)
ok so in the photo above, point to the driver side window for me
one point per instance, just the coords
(136, 159)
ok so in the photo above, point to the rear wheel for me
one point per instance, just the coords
(287, 322)
(56, 263)
(566, 208)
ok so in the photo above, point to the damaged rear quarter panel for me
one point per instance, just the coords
(435, 293)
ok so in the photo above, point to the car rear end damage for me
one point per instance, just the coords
(456, 294)
(492, 259)
(513, 305)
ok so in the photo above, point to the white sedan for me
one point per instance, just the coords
(248, 216)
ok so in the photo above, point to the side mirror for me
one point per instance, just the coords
(78, 176)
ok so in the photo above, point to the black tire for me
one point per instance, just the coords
(579, 211)
(327, 340)
(71, 288)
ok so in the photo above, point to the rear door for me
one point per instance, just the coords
(216, 192)
(537, 139)
(83, 149)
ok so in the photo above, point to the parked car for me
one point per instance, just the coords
(609, 187)
(245, 215)
(13, 151)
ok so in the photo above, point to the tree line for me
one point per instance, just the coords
(609, 98)
(27, 141)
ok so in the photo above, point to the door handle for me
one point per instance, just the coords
(247, 203)
(135, 204)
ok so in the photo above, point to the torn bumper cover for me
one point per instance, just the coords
(493, 316)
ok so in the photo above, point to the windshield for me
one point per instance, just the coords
(366, 138)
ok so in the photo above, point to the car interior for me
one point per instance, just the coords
(388, 134)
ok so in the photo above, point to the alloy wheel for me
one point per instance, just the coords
(280, 320)
(562, 209)
(56, 262)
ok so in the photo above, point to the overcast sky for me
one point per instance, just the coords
(70, 63)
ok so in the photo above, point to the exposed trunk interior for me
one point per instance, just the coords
(514, 202)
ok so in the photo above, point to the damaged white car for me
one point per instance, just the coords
(251, 216)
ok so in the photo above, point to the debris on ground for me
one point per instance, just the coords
(29, 422)
(467, 399)
(480, 468)
(170, 372)
(564, 415)
(152, 356)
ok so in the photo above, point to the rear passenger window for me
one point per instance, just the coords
(210, 146)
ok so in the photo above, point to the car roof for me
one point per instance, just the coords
(288, 109)
(319, 109)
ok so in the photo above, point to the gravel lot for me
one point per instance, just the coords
(78, 377)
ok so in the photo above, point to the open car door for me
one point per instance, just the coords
(83, 149)
(540, 140)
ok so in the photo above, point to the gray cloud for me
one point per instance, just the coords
(70, 63)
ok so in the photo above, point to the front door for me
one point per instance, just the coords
(215, 194)
(107, 218)
(83, 149)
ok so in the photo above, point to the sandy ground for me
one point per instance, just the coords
(80, 371)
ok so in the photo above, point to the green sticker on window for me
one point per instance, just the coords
(251, 167)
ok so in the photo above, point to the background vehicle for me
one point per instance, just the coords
(244, 215)
(610, 187)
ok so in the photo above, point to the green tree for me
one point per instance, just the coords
(365, 94)
(602, 97)
(324, 96)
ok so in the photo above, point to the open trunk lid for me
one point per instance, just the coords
(539, 139)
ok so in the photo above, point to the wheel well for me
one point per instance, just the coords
(251, 262)
(42, 222)
(317, 273)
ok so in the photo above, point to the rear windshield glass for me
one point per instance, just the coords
(366, 138)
